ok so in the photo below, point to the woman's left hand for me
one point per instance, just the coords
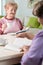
(25, 48)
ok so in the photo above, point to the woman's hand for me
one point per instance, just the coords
(22, 35)
(25, 48)
(25, 34)
(4, 26)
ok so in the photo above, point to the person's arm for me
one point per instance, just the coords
(20, 23)
(4, 27)
(34, 54)
(30, 35)
(21, 26)
(25, 34)
(1, 32)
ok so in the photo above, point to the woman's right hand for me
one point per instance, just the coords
(22, 35)
(25, 34)
(4, 26)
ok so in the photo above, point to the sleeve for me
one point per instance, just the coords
(34, 55)
(1, 32)
(21, 26)
(20, 23)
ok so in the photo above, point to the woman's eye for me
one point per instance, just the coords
(13, 10)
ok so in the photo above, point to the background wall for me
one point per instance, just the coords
(0, 7)
(9, 1)
(23, 9)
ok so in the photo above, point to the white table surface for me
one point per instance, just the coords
(7, 54)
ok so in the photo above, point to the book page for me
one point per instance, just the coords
(16, 43)
(3, 40)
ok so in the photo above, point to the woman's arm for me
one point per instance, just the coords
(30, 35)
(35, 54)
(26, 34)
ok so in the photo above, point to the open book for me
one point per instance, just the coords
(16, 43)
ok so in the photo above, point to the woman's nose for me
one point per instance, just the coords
(13, 11)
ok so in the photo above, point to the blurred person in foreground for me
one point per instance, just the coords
(34, 54)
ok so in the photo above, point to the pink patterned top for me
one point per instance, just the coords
(12, 25)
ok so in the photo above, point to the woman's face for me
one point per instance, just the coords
(11, 11)
(40, 20)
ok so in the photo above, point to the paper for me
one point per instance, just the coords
(3, 40)
(16, 43)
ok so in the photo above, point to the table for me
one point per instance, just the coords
(8, 57)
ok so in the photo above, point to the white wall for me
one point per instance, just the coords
(9, 1)
(0, 7)
(23, 9)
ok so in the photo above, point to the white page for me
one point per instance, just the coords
(16, 43)
(3, 40)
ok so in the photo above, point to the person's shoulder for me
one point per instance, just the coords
(3, 19)
(40, 34)
(18, 19)
(38, 40)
